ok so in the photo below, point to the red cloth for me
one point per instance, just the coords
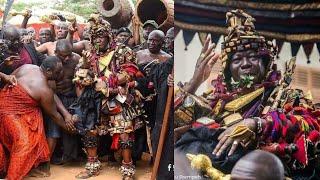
(21, 132)
(25, 59)
(115, 142)
(3, 161)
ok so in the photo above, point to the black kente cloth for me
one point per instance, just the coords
(203, 140)
(149, 106)
(70, 141)
(159, 77)
(140, 144)
(87, 107)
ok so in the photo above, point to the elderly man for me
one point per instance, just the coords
(147, 59)
(247, 107)
(153, 52)
(22, 131)
(105, 76)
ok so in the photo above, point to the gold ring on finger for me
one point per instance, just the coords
(235, 142)
(202, 55)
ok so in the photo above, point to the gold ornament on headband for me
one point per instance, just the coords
(242, 36)
(99, 27)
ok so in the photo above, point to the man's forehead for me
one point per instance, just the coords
(65, 51)
(62, 24)
(148, 26)
(170, 35)
(30, 29)
(45, 31)
(124, 33)
(246, 52)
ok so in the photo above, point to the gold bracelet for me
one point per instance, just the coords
(105, 92)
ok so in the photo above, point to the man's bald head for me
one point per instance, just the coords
(63, 50)
(155, 41)
(63, 45)
(157, 33)
(12, 35)
(10, 31)
(23, 32)
(259, 165)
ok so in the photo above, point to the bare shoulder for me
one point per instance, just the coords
(50, 44)
(141, 52)
(24, 69)
(32, 80)
(164, 54)
(83, 42)
(75, 57)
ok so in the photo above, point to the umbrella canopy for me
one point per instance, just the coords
(293, 21)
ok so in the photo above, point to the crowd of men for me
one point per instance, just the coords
(102, 93)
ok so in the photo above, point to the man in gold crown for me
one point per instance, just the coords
(251, 106)
(108, 102)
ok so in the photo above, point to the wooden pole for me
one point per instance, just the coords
(162, 134)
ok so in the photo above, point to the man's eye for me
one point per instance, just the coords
(236, 61)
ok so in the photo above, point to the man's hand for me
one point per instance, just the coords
(205, 62)
(9, 79)
(203, 67)
(9, 60)
(72, 29)
(70, 120)
(27, 13)
(244, 138)
(170, 80)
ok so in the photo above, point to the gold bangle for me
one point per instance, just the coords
(105, 92)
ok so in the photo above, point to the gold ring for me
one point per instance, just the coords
(235, 142)
(202, 55)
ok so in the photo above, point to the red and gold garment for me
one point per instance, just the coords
(21, 133)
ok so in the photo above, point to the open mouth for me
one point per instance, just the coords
(246, 71)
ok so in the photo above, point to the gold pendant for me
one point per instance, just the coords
(237, 104)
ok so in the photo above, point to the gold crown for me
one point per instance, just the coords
(99, 25)
(241, 35)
